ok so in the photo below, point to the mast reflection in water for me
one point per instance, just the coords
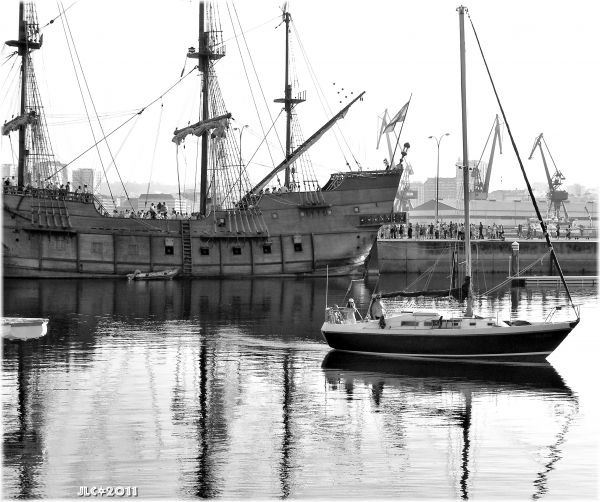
(226, 389)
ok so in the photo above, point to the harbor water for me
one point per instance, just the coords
(225, 388)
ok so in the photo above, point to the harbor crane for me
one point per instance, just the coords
(480, 173)
(556, 196)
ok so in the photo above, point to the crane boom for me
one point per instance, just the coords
(481, 188)
(538, 144)
(556, 197)
(497, 137)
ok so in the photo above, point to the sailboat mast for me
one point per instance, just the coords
(288, 98)
(465, 161)
(204, 67)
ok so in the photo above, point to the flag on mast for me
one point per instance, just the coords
(399, 117)
(384, 123)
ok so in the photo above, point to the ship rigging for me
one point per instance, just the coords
(298, 229)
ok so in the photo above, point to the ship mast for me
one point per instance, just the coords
(204, 66)
(24, 45)
(465, 162)
(287, 100)
(204, 55)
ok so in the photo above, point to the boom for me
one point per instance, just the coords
(481, 188)
(556, 197)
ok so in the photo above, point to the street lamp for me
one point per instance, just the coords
(437, 177)
(241, 129)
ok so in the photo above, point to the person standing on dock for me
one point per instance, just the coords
(557, 230)
(480, 230)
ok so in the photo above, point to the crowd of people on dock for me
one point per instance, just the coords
(456, 231)
(440, 230)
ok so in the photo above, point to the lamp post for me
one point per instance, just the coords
(241, 129)
(437, 176)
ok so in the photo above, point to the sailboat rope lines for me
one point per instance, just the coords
(323, 101)
(73, 49)
(533, 200)
(97, 185)
(257, 80)
(478, 270)
(124, 123)
(154, 152)
(521, 272)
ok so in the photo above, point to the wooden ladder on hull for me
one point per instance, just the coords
(186, 247)
(50, 213)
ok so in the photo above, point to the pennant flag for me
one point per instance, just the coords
(399, 117)
(383, 125)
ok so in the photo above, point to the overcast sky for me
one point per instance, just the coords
(543, 55)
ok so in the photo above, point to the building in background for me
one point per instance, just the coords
(83, 177)
(8, 170)
(46, 167)
(446, 189)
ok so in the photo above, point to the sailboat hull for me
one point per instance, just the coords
(532, 342)
(286, 234)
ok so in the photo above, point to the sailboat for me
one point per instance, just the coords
(426, 333)
(240, 229)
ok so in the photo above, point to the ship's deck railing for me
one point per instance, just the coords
(51, 193)
(57, 194)
(86, 198)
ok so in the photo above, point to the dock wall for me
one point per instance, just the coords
(576, 257)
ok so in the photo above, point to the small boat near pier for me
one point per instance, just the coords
(160, 275)
(23, 328)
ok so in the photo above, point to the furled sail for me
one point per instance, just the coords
(217, 124)
(458, 292)
(21, 120)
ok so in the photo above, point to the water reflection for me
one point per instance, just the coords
(23, 445)
(426, 379)
(209, 388)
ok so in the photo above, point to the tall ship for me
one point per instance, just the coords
(240, 229)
